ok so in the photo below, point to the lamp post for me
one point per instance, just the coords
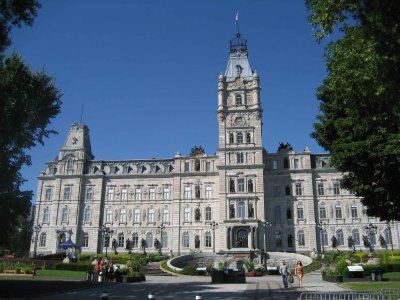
(161, 228)
(213, 226)
(106, 232)
(320, 226)
(266, 224)
(36, 230)
(371, 231)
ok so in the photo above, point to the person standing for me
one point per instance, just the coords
(298, 271)
(284, 271)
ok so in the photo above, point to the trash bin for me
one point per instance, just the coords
(376, 275)
(89, 275)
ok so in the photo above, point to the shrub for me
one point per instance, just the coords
(189, 270)
(341, 267)
(315, 265)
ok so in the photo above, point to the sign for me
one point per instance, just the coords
(355, 268)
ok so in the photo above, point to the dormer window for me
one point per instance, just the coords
(238, 99)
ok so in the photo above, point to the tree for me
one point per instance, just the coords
(28, 101)
(360, 98)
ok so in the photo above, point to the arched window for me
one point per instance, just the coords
(239, 138)
(64, 215)
(286, 163)
(149, 239)
(288, 213)
(238, 99)
(250, 186)
(208, 214)
(46, 215)
(278, 238)
(207, 239)
(290, 241)
(248, 137)
(42, 242)
(121, 240)
(231, 139)
(340, 237)
(164, 240)
(185, 240)
(287, 190)
(135, 240)
(301, 238)
(356, 236)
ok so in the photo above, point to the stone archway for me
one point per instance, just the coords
(241, 238)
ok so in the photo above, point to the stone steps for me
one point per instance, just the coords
(153, 269)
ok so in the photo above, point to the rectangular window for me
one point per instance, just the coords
(138, 194)
(187, 192)
(187, 166)
(301, 238)
(208, 214)
(240, 185)
(277, 214)
(166, 193)
(239, 158)
(241, 209)
(86, 240)
(186, 214)
(48, 194)
(354, 211)
(136, 215)
(208, 192)
(338, 210)
(42, 242)
(296, 163)
(208, 239)
(86, 216)
(165, 215)
(89, 193)
(322, 212)
(274, 165)
(124, 194)
(185, 240)
(64, 216)
(336, 188)
(320, 188)
(151, 215)
(108, 215)
(110, 193)
(46, 215)
(122, 215)
(208, 166)
(298, 189)
(300, 212)
(152, 193)
(67, 192)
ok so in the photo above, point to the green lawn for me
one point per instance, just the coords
(391, 275)
(61, 273)
(371, 286)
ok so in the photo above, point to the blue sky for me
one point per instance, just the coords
(146, 72)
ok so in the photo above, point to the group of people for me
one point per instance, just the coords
(105, 269)
(287, 275)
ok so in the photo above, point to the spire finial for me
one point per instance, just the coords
(237, 22)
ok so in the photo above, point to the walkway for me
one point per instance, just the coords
(187, 287)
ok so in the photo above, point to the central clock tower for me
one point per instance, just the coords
(241, 194)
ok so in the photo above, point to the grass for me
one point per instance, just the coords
(392, 275)
(61, 273)
(370, 286)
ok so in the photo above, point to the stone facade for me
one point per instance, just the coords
(240, 199)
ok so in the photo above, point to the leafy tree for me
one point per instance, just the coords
(28, 101)
(360, 98)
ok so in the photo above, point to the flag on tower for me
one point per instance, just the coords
(237, 17)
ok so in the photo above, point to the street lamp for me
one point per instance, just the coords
(371, 231)
(106, 232)
(161, 228)
(266, 224)
(213, 226)
(36, 230)
(320, 226)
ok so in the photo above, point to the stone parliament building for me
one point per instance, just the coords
(242, 199)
